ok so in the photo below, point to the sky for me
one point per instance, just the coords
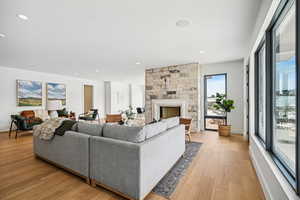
(216, 84)
(288, 66)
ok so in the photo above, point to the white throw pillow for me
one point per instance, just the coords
(42, 114)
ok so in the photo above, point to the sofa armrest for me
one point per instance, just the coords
(135, 168)
(115, 163)
(70, 150)
(158, 155)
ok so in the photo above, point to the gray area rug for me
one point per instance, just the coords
(168, 184)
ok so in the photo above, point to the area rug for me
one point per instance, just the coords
(169, 182)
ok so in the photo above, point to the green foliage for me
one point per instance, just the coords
(223, 104)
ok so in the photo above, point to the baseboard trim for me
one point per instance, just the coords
(282, 189)
(262, 179)
(3, 131)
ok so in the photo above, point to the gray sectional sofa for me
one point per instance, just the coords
(127, 160)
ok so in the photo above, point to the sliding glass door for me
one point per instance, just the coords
(213, 84)
(284, 89)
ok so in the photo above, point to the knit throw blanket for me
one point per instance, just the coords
(45, 131)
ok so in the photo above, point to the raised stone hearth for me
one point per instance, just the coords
(176, 85)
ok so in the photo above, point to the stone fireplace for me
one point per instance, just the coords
(172, 91)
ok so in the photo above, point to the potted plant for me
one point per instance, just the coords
(224, 105)
(127, 114)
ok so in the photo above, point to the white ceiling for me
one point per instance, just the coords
(80, 36)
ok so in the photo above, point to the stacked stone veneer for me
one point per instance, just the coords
(174, 82)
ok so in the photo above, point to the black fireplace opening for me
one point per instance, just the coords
(169, 111)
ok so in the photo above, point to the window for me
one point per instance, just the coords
(260, 60)
(277, 86)
(213, 84)
(284, 89)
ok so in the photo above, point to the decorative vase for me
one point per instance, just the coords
(224, 130)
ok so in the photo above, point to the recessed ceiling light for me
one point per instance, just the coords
(182, 23)
(201, 52)
(137, 63)
(23, 17)
(2, 35)
(97, 70)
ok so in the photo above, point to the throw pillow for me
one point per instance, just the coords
(65, 126)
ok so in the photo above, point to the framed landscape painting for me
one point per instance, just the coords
(29, 93)
(56, 91)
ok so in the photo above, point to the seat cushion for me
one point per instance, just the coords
(155, 129)
(90, 129)
(171, 122)
(125, 133)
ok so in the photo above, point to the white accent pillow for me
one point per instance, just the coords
(42, 114)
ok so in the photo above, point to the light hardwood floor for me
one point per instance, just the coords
(221, 170)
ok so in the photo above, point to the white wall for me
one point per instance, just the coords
(137, 95)
(235, 90)
(74, 92)
(274, 184)
(119, 95)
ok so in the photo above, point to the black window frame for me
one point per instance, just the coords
(283, 8)
(257, 86)
(205, 104)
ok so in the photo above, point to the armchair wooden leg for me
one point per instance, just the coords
(10, 129)
(189, 136)
(16, 133)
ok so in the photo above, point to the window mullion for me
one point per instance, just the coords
(269, 91)
(297, 96)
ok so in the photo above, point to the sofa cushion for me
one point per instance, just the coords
(126, 133)
(42, 114)
(90, 129)
(155, 129)
(66, 125)
(171, 122)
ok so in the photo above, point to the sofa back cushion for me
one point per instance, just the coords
(90, 129)
(155, 129)
(126, 133)
(171, 122)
